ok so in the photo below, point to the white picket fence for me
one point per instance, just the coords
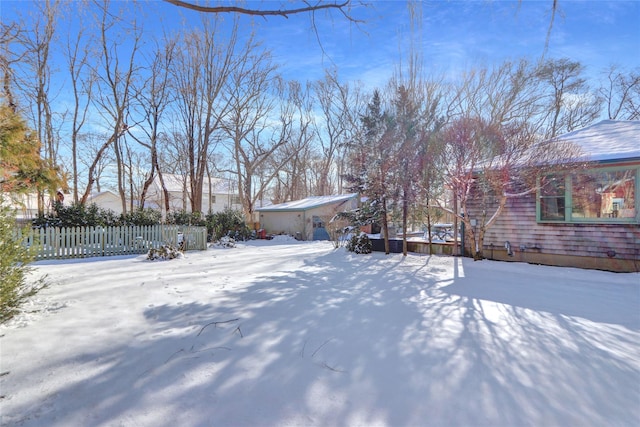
(84, 242)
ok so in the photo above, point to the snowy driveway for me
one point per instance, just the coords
(300, 334)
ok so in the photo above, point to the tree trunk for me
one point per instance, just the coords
(385, 226)
(405, 214)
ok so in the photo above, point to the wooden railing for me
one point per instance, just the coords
(84, 242)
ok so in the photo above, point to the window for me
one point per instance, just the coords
(609, 194)
(597, 195)
(552, 195)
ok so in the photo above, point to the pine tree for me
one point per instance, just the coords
(21, 167)
(371, 164)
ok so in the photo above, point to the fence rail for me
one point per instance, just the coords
(85, 242)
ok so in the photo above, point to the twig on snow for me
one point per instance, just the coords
(318, 349)
(238, 329)
(331, 368)
(209, 348)
(171, 357)
(216, 324)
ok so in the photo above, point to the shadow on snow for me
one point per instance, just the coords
(392, 341)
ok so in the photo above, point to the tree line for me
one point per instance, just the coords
(211, 101)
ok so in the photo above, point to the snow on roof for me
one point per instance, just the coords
(308, 203)
(175, 184)
(607, 140)
(103, 193)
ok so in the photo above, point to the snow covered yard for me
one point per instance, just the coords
(278, 333)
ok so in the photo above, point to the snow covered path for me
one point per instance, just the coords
(308, 335)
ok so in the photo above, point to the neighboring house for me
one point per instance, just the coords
(26, 205)
(107, 200)
(589, 218)
(218, 194)
(305, 219)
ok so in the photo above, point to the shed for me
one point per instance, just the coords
(306, 219)
(590, 218)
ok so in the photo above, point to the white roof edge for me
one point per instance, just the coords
(607, 140)
(307, 203)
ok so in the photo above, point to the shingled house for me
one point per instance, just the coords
(588, 218)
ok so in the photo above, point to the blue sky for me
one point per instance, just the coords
(454, 35)
(457, 36)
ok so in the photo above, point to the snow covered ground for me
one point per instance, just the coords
(280, 333)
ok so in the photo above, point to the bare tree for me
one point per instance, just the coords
(114, 87)
(570, 103)
(89, 144)
(621, 94)
(134, 165)
(485, 164)
(252, 95)
(173, 159)
(39, 43)
(293, 160)
(262, 153)
(152, 98)
(82, 78)
(202, 66)
(331, 127)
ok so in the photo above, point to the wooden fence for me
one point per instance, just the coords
(84, 242)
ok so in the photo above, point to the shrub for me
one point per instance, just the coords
(14, 266)
(78, 215)
(142, 217)
(185, 218)
(164, 252)
(226, 242)
(227, 223)
(360, 244)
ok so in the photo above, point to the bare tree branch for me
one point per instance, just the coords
(554, 10)
(258, 12)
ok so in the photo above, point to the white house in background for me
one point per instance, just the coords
(306, 218)
(107, 200)
(25, 206)
(218, 194)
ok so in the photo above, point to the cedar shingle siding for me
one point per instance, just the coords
(613, 247)
(591, 230)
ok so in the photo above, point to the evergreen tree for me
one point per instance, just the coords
(371, 164)
(21, 167)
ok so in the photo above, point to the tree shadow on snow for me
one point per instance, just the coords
(363, 340)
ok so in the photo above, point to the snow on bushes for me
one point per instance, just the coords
(226, 242)
(360, 244)
(164, 252)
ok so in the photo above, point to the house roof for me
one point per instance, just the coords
(103, 194)
(607, 140)
(175, 184)
(308, 203)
